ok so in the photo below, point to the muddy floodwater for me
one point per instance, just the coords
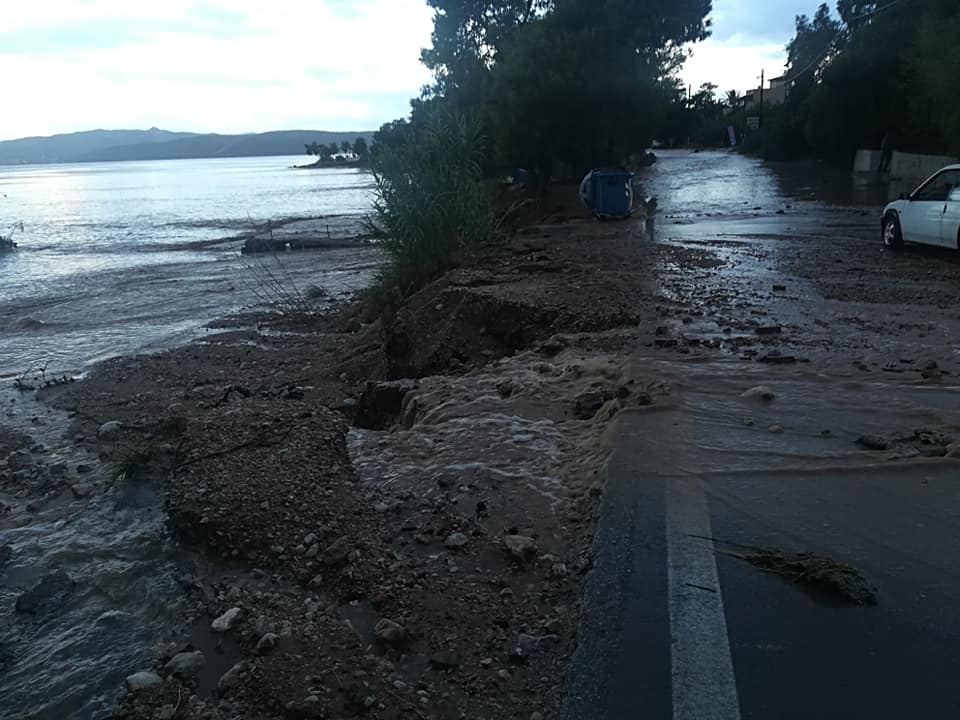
(755, 265)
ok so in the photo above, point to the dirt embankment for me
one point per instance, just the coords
(399, 507)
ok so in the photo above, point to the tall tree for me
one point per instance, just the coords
(585, 83)
(467, 37)
(811, 48)
(360, 147)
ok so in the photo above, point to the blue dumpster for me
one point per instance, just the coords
(609, 193)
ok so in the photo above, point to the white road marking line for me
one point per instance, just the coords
(704, 687)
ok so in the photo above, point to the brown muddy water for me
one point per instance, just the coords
(807, 228)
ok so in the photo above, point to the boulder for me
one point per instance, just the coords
(456, 540)
(142, 680)
(390, 633)
(267, 643)
(225, 622)
(109, 429)
(521, 547)
(231, 678)
(185, 665)
(760, 392)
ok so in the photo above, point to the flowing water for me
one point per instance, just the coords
(116, 258)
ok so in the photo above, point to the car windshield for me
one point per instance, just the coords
(938, 188)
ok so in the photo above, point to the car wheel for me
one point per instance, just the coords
(892, 236)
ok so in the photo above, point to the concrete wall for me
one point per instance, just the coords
(866, 161)
(908, 166)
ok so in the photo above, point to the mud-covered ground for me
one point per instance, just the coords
(403, 503)
(392, 511)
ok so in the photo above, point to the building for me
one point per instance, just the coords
(775, 93)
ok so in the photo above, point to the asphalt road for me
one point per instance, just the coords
(692, 483)
(673, 625)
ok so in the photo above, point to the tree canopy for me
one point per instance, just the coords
(574, 82)
(879, 68)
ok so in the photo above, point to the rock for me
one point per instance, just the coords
(456, 541)
(309, 540)
(225, 622)
(445, 660)
(486, 663)
(231, 678)
(142, 680)
(779, 288)
(313, 551)
(526, 646)
(521, 547)
(760, 392)
(931, 371)
(769, 330)
(381, 507)
(49, 594)
(536, 716)
(587, 404)
(522, 649)
(776, 358)
(381, 403)
(953, 451)
(390, 633)
(337, 554)
(267, 643)
(505, 388)
(83, 469)
(185, 665)
(82, 490)
(109, 429)
(872, 442)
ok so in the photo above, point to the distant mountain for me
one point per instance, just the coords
(73, 147)
(282, 142)
(154, 144)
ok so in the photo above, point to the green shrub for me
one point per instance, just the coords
(430, 199)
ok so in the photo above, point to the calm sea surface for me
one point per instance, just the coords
(117, 256)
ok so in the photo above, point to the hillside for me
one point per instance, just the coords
(155, 144)
(73, 147)
(286, 142)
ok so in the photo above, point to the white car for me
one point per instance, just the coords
(929, 215)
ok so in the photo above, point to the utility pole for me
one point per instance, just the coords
(760, 117)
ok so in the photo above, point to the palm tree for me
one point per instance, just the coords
(733, 99)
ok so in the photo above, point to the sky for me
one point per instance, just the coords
(748, 36)
(249, 66)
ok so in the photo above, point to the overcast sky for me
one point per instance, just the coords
(251, 65)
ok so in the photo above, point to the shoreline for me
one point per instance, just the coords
(324, 387)
(400, 502)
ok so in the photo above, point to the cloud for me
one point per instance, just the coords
(210, 65)
(757, 22)
(749, 36)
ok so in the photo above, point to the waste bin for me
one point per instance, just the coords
(609, 193)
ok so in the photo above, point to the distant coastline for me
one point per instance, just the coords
(155, 144)
(328, 164)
